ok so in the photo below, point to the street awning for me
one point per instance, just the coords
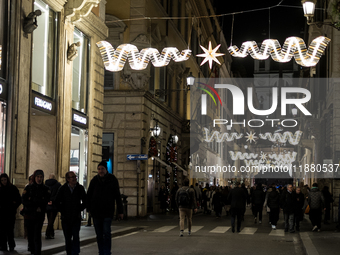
(168, 168)
(185, 172)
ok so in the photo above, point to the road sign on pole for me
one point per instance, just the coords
(137, 157)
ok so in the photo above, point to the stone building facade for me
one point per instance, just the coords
(55, 89)
(135, 101)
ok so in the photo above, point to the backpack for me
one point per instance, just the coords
(183, 198)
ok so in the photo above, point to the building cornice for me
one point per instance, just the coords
(75, 10)
(56, 5)
(92, 24)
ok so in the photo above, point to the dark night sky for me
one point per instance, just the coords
(254, 26)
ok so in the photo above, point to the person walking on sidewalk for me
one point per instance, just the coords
(198, 194)
(273, 202)
(258, 198)
(71, 201)
(51, 209)
(102, 195)
(288, 206)
(186, 202)
(316, 203)
(238, 199)
(9, 202)
(35, 198)
(298, 211)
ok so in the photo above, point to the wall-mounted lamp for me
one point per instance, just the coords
(30, 22)
(156, 130)
(309, 9)
(294, 111)
(190, 80)
(175, 138)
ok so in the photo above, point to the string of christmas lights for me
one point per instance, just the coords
(293, 47)
(114, 60)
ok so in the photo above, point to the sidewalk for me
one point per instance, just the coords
(325, 242)
(52, 246)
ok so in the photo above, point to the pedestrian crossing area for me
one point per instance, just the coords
(223, 230)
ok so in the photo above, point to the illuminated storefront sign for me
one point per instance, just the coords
(79, 119)
(43, 103)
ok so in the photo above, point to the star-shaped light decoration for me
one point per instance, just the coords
(251, 137)
(210, 55)
(263, 156)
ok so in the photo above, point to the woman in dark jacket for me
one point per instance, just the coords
(35, 198)
(218, 203)
(9, 202)
(273, 203)
(299, 204)
(328, 200)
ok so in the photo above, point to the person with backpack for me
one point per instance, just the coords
(186, 202)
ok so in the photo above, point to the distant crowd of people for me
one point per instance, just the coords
(47, 198)
(235, 198)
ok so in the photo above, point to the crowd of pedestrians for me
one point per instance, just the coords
(46, 198)
(293, 204)
(49, 197)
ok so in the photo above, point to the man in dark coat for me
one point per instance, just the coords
(238, 198)
(51, 209)
(186, 202)
(102, 195)
(288, 206)
(273, 202)
(316, 204)
(9, 202)
(35, 198)
(258, 197)
(299, 204)
(71, 201)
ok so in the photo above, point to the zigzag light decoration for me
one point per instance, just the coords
(291, 157)
(293, 46)
(282, 138)
(220, 137)
(114, 60)
(242, 156)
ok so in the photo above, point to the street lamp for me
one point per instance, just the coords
(308, 9)
(190, 80)
(294, 111)
(175, 139)
(156, 130)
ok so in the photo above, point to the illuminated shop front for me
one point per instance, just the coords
(43, 120)
(79, 134)
(3, 81)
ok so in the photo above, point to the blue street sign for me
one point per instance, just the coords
(137, 157)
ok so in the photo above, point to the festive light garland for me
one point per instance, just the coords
(275, 137)
(114, 60)
(221, 137)
(282, 138)
(291, 157)
(293, 46)
(242, 156)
